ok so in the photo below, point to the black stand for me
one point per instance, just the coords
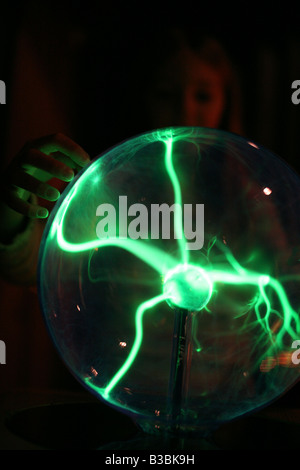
(180, 364)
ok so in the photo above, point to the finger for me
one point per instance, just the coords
(35, 159)
(25, 207)
(60, 142)
(66, 160)
(29, 183)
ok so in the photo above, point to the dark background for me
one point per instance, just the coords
(262, 39)
(67, 66)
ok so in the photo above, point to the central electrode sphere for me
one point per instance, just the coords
(187, 287)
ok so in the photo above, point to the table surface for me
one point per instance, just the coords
(58, 420)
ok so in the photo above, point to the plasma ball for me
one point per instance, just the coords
(179, 339)
(187, 286)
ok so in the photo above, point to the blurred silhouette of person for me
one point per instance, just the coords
(192, 83)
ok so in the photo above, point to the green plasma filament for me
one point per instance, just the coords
(137, 342)
(178, 201)
(186, 286)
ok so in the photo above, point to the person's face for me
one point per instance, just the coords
(186, 92)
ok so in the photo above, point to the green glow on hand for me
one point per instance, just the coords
(184, 285)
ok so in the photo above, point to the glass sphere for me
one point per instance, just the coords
(169, 278)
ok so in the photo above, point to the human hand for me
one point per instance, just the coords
(55, 156)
